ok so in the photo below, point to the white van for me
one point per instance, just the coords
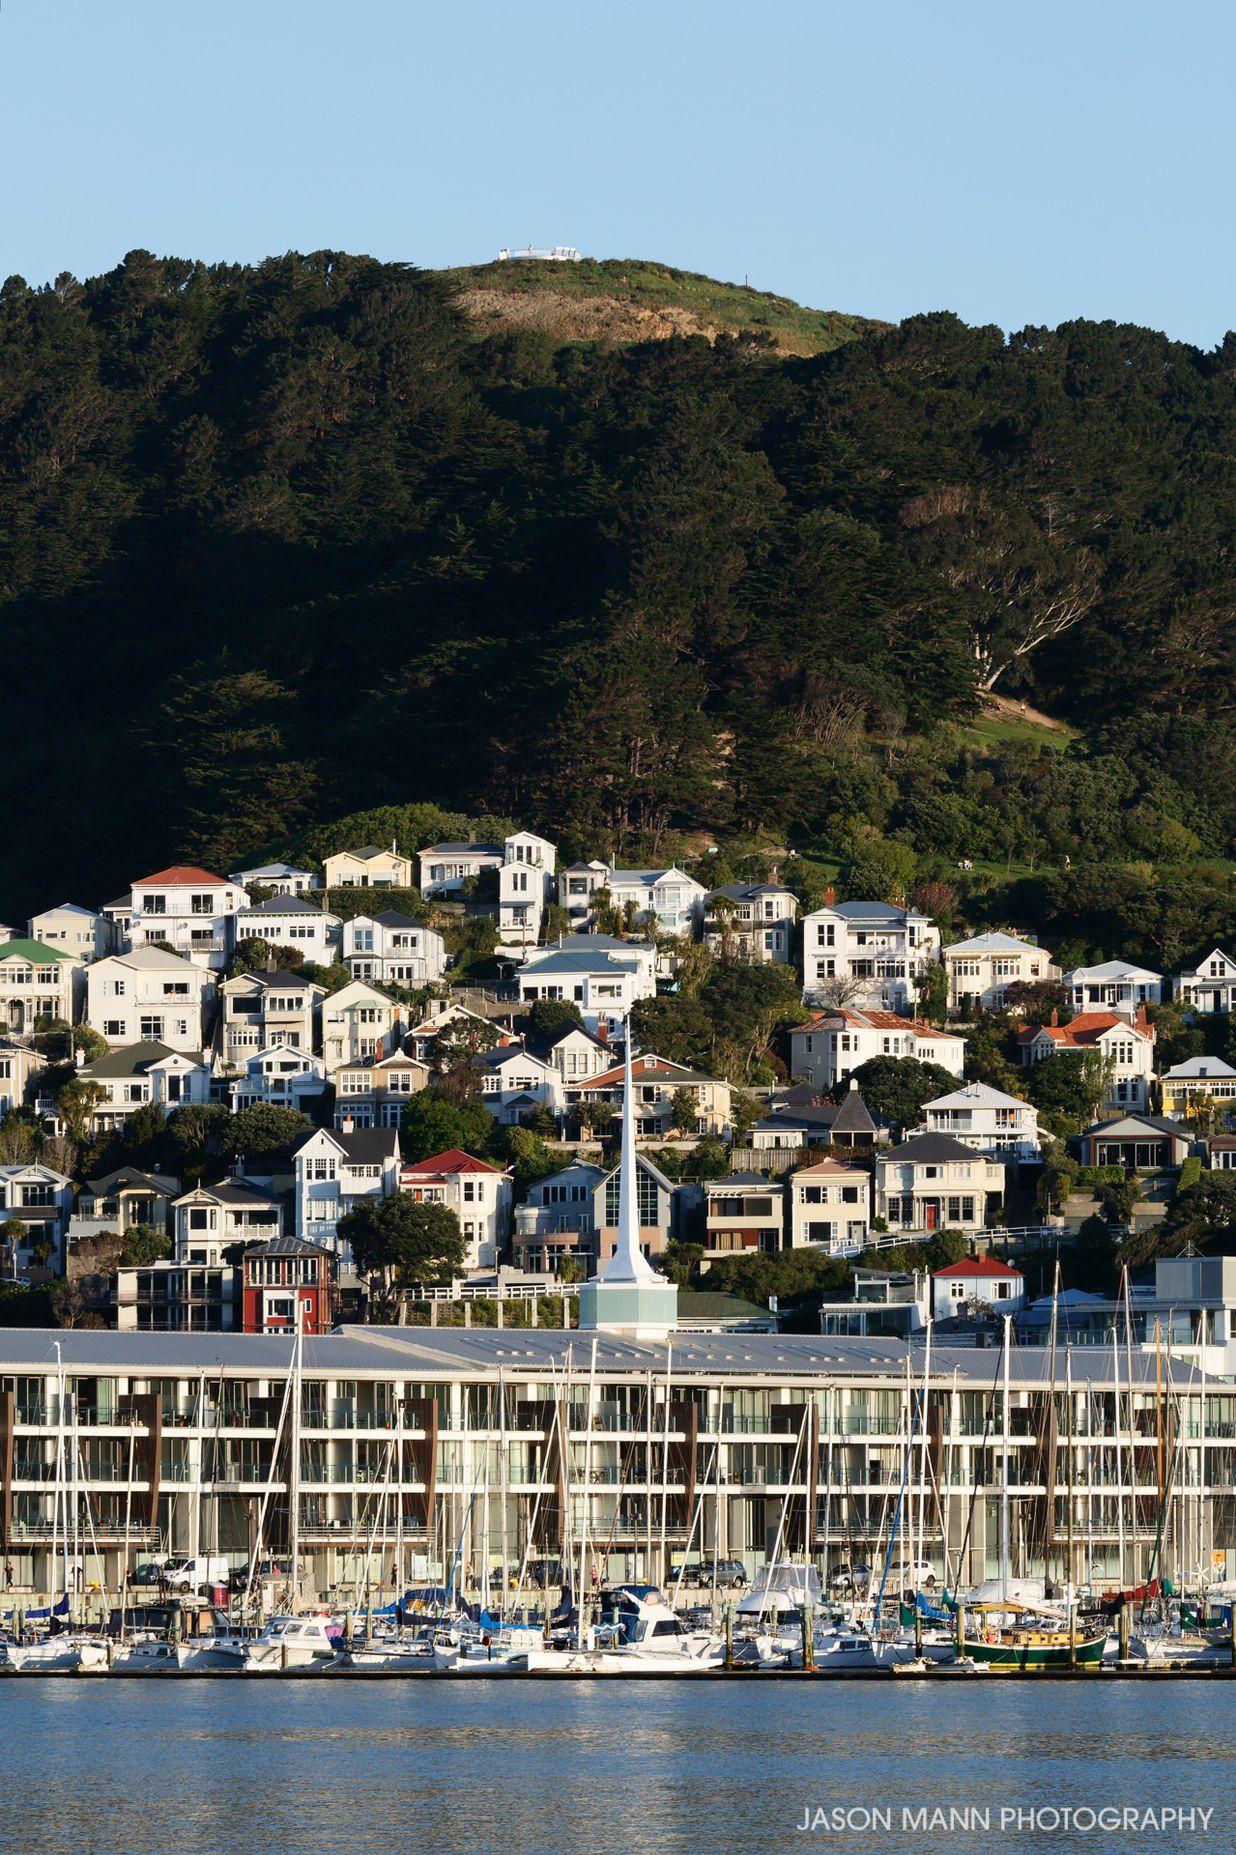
(198, 1574)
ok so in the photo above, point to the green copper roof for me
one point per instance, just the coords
(30, 950)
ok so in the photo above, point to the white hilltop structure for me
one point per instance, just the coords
(629, 1297)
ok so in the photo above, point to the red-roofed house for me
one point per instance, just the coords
(189, 908)
(830, 1047)
(479, 1194)
(977, 1278)
(1127, 1044)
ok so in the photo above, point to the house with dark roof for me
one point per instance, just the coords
(210, 1218)
(515, 1084)
(393, 949)
(337, 1168)
(145, 1073)
(805, 1125)
(574, 1052)
(751, 921)
(267, 1007)
(932, 1182)
(1138, 1142)
(126, 1197)
(294, 920)
(283, 878)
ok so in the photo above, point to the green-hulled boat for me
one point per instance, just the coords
(1030, 1645)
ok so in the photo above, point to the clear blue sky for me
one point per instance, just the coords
(1014, 163)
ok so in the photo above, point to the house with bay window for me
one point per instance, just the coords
(479, 1194)
(335, 1169)
(357, 1024)
(933, 1182)
(980, 970)
(752, 922)
(143, 1074)
(375, 1093)
(41, 1199)
(1210, 985)
(829, 1207)
(871, 955)
(36, 982)
(1199, 1080)
(1114, 985)
(656, 1081)
(264, 1008)
(1125, 1045)
(208, 1219)
(292, 921)
(602, 983)
(393, 949)
(830, 1047)
(987, 1120)
(282, 1076)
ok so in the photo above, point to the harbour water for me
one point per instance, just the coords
(641, 1768)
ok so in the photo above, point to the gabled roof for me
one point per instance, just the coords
(829, 1169)
(33, 950)
(1176, 1130)
(439, 1165)
(234, 1191)
(135, 1060)
(984, 1266)
(181, 876)
(459, 850)
(1085, 1030)
(755, 1179)
(151, 958)
(369, 852)
(287, 905)
(364, 1146)
(129, 1176)
(977, 1095)
(1112, 969)
(67, 908)
(269, 869)
(569, 962)
(549, 1040)
(648, 1068)
(870, 911)
(650, 878)
(993, 943)
(930, 1150)
(853, 1019)
(642, 1164)
(1198, 1068)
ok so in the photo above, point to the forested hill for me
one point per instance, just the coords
(288, 542)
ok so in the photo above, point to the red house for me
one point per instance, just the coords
(282, 1273)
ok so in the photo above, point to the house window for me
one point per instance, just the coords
(202, 904)
(154, 905)
(113, 1027)
(151, 1028)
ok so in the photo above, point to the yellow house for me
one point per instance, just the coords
(369, 868)
(1202, 1078)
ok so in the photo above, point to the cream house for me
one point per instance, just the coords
(479, 1194)
(375, 1093)
(981, 970)
(356, 1020)
(829, 1207)
(933, 1182)
(1124, 1045)
(148, 995)
(264, 1008)
(80, 932)
(36, 982)
(656, 1081)
(292, 921)
(369, 868)
(753, 922)
(145, 1073)
(207, 1220)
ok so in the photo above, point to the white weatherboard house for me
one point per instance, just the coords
(335, 1169)
(754, 922)
(1116, 985)
(830, 1047)
(868, 954)
(981, 970)
(933, 1182)
(282, 1076)
(666, 899)
(479, 1194)
(148, 995)
(988, 1121)
(144, 1073)
(1210, 985)
(190, 910)
(283, 878)
(368, 868)
(604, 985)
(1124, 1044)
(977, 1280)
(292, 921)
(525, 886)
(393, 949)
(355, 1021)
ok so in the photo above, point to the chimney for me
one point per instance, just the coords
(830, 896)
(1055, 1017)
(347, 1125)
(602, 1030)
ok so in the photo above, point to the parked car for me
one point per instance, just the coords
(149, 1573)
(731, 1573)
(184, 1575)
(851, 1577)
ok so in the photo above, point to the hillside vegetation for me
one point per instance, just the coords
(287, 542)
(615, 301)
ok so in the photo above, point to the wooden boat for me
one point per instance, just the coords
(1034, 1642)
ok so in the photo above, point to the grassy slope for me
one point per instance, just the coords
(622, 300)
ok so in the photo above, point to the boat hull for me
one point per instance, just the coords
(1086, 1652)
